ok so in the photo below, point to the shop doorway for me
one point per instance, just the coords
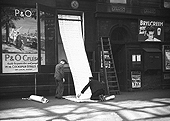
(119, 36)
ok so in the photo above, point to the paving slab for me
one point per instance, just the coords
(150, 105)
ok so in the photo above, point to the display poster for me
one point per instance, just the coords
(71, 34)
(106, 56)
(167, 58)
(19, 40)
(151, 31)
(136, 79)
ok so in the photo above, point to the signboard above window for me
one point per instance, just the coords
(118, 1)
(151, 30)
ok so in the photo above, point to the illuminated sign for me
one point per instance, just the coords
(151, 31)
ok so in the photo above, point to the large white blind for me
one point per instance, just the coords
(71, 34)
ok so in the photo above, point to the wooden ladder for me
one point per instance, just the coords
(108, 65)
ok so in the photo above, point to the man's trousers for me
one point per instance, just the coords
(59, 88)
(95, 95)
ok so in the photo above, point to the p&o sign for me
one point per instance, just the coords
(23, 13)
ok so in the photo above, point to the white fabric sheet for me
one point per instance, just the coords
(71, 34)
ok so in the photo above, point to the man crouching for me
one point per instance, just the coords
(97, 89)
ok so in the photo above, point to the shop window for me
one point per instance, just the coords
(136, 61)
(47, 36)
(167, 3)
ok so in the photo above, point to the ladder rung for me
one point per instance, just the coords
(106, 45)
(112, 81)
(111, 76)
(105, 37)
(108, 59)
(106, 49)
(114, 92)
(107, 53)
(105, 40)
(111, 86)
(111, 68)
(111, 72)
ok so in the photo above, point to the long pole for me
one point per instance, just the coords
(35, 85)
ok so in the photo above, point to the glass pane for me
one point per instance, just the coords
(133, 58)
(71, 17)
(138, 57)
(61, 52)
(47, 36)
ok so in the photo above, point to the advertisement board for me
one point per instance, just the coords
(19, 40)
(151, 30)
(136, 79)
(166, 57)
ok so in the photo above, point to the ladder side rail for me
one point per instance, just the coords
(104, 67)
(114, 65)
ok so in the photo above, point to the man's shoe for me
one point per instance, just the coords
(102, 98)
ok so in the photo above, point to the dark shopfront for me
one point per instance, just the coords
(27, 65)
(139, 64)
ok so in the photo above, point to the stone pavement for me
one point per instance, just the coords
(150, 105)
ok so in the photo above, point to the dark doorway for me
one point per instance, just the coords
(118, 37)
(119, 34)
